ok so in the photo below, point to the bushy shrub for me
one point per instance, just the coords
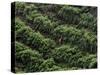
(31, 59)
(35, 40)
(20, 47)
(43, 24)
(71, 15)
(88, 21)
(30, 8)
(64, 53)
(32, 15)
(67, 33)
(93, 63)
(49, 65)
(20, 8)
(74, 58)
(47, 47)
(24, 9)
(89, 42)
(46, 8)
(18, 24)
(87, 61)
(85, 40)
(29, 37)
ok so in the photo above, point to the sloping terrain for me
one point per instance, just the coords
(55, 37)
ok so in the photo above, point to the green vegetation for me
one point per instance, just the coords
(54, 37)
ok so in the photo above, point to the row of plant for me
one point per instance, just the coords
(73, 57)
(34, 39)
(29, 60)
(54, 37)
(46, 47)
(48, 27)
(66, 32)
(81, 17)
(85, 40)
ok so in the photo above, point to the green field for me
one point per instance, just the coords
(51, 37)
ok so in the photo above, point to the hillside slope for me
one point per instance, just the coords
(55, 37)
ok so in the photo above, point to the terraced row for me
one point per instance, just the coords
(31, 60)
(79, 17)
(34, 39)
(65, 34)
(46, 26)
(46, 46)
(73, 16)
(51, 41)
(83, 38)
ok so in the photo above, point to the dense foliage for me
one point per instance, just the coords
(55, 37)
